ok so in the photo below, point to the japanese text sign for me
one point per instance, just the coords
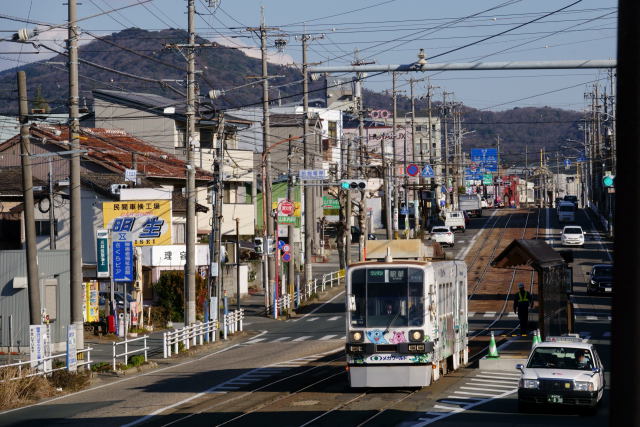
(144, 222)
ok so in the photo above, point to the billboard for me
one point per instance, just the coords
(482, 161)
(143, 222)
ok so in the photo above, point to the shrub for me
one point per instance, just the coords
(101, 367)
(16, 392)
(69, 381)
(136, 360)
(170, 289)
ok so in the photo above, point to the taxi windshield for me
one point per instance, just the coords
(561, 357)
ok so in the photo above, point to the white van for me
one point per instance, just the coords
(566, 212)
(455, 220)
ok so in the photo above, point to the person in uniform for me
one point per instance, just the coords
(522, 301)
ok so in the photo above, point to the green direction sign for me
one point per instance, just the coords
(330, 203)
(102, 251)
(285, 219)
(487, 179)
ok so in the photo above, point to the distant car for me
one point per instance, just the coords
(442, 235)
(601, 279)
(455, 220)
(572, 235)
(561, 371)
(572, 199)
(105, 296)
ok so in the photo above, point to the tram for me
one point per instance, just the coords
(406, 322)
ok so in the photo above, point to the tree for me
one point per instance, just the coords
(40, 103)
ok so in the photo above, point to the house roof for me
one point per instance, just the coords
(536, 253)
(157, 104)
(11, 179)
(113, 148)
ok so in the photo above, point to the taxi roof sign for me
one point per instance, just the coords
(566, 338)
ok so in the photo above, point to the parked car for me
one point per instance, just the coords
(442, 235)
(601, 279)
(105, 296)
(572, 235)
(455, 220)
(561, 371)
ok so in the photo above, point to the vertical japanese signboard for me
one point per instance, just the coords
(122, 261)
(102, 251)
(91, 301)
(143, 222)
(36, 346)
(72, 349)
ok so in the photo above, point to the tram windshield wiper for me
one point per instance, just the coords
(386, 330)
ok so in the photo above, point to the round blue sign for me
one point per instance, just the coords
(286, 257)
(413, 170)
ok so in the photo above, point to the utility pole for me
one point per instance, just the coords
(445, 113)
(413, 157)
(291, 265)
(52, 216)
(349, 208)
(190, 267)
(432, 153)
(217, 212)
(394, 158)
(238, 264)
(77, 318)
(35, 313)
(363, 193)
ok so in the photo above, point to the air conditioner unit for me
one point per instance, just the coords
(115, 188)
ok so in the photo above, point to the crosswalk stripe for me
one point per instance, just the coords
(474, 393)
(446, 407)
(334, 318)
(482, 389)
(280, 339)
(489, 384)
(312, 319)
(302, 338)
(327, 337)
(255, 340)
(514, 375)
(473, 399)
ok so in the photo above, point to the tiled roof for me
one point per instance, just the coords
(113, 148)
(11, 179)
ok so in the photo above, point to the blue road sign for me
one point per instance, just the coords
(427, 172)
(281, 243)
(413, 170)
(567, 163)
(404, 211)
(484, 160)
(286, 257)
(122, 261)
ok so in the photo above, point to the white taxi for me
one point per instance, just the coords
(572, 235)
(562, 370)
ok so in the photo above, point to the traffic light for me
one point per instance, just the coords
(609, 180)
(258, 243)
(353, 184)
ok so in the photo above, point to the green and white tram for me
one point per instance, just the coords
(406, 322)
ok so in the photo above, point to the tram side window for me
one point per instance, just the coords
(416, 302)
(358, 290)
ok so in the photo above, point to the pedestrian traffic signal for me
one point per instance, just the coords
(609, 180)
(353, 184)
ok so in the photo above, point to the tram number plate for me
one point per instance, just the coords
(554, 398)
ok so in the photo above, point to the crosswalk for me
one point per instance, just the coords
(260, 374)
(478, 389)
(489, 314)
(279, 339)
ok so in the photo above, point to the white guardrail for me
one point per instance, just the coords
(197, 334)
(312, 287)
(42, 367)
(128, 352)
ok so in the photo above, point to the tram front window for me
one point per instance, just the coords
(390, 297)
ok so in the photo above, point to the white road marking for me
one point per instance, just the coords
(497, 378)
(319, 307)
(489, 390)
(512, 314)
(464, 253)
(490, 383)
(327, 337)
(501, 373)
(464, 398)
(592, 317)
(280, 339)
(255, 340)
(474, 393)
(450, 408)
(331, 319)
(312, 319)
(302, 338)
(489, 314)
(471, 313)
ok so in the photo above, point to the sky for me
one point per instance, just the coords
(384, 31)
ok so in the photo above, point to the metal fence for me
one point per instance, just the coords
(311, 288)
(128, 352)
(45, 365)
(199, 333)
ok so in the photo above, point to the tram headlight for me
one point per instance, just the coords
(416, 335)
(357, 336)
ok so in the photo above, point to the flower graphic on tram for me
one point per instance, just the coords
(376, 336)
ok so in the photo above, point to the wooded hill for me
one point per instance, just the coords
(144, 53)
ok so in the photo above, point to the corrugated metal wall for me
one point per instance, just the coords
(15, 302)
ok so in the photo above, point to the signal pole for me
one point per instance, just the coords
(348, 209)
(394, 158)
(76, 200)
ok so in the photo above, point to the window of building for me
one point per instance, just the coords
(206, 138)
(179, 233)
(182, 136)
(333, 133)
(237, 192)
(42, 227)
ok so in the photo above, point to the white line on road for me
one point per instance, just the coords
(449, 408)
(302, 338)
(255, 340)
(489, 390)
(464, 253)
(490, 383)
(474, 393)
(331, 319)
(501, 373)
(280, 339)
(319, 307)
(327, 337)
(312, 319)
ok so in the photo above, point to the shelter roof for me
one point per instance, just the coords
(534, 252)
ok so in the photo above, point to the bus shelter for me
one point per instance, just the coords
(555, 278)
